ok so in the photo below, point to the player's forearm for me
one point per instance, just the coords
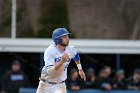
(81, 72)
(54, 68)
(78, 63)
(58, 65)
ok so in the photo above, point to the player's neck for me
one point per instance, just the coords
(60, 47)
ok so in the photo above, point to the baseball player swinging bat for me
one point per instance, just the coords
(57, 58)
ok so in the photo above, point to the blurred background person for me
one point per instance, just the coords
(14, 79)
(103, 81)
(134, 81)
(74, 82)
(90, 79)
(119, 82)
(108, 70)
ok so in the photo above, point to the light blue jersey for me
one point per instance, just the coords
(52, 55)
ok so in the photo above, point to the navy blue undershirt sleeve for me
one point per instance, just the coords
(77, 57)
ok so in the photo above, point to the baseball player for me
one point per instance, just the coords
(57, 58)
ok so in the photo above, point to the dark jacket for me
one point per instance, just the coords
(89, 83)
(131, 82)
(119, 84)
(102, 82)
(13, 81)
(77, 82)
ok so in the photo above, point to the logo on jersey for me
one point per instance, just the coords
(59, 58)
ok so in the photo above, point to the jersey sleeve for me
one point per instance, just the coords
(49, 58)
(76, 56)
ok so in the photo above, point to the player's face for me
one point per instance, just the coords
(65, 40)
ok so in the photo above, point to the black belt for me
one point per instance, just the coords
(51, 82)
